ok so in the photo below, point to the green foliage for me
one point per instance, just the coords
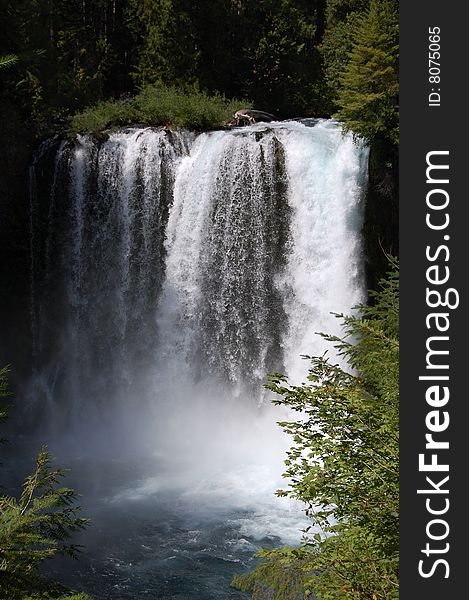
(336, 47)
(360, 76)
(166, 34)
(288, 56)
(349, 566)
(369, 86)
(286, 66)
(281, 575)
(263, 50)
(159, 105)
(67, 51)
(344, 466)
(35, 527)
(8, 61)
(192, 109)
(338, 10)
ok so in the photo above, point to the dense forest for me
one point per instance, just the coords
(289, 57)
(69, 66)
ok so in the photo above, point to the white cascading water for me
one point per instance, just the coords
(176, 271)
(226, 239)
(264, 242)
(97, 271)
(325, 272)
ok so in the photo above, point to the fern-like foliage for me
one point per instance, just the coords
(8, 60)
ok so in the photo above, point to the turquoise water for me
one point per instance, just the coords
(164, 547)
(157, 554)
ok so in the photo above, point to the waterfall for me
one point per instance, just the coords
(170, 273)
(226, 238)
(97, 271)
(165, 259)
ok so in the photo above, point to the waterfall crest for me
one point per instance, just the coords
(211, 257)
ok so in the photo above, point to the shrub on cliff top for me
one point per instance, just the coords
(157, 105)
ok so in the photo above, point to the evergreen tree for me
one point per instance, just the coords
(336, 43)
(369, 87)
(168, 45)
(344, 466)
(35, 527)
(286, 66)
(265, 51)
